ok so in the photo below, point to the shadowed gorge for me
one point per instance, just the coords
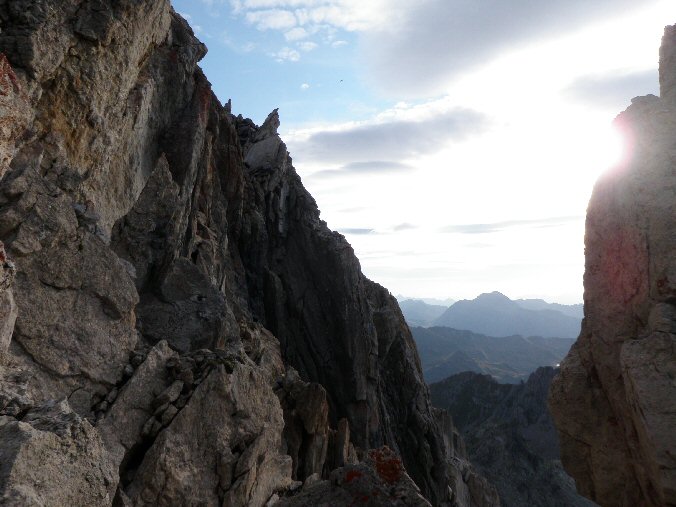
(510, 436)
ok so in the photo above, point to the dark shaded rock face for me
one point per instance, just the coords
(510, 436)
(614, 402)
(208, 339)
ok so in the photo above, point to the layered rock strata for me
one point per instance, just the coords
(614, 401)
(178, 325)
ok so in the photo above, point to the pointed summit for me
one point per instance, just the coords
(668, 65)
(270, 126)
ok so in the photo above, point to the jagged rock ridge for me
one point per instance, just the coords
(178, 325)
(614, 401)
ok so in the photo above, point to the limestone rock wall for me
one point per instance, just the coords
(172, 290)
(614, 401)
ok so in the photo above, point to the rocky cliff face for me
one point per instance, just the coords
(614, 401)
(510, 437)
(177, 325)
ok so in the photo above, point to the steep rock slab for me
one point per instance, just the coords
(234, 462)
(7, 305)
(614, 401)
(122, 426)
(53, 458)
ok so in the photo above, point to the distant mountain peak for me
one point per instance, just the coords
(494, 314)
(494, 296)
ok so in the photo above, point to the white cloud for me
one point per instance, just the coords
(392, 136)
(296, 33)
(613, 88)
(300, 19)
(305, 86)
(307, 46)
(433, 40)
(273, 19)
(351, 15)
(286, 54)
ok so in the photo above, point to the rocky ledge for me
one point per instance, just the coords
(177, 325)
(614, 402)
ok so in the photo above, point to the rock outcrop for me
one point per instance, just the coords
(178, 326)
(614, 401)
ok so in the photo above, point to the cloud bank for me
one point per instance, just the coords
(615, 90)
(388, 141)
(362, 168)
(510, 224)
(429, 41)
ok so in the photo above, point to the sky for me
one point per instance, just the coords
(455, 143)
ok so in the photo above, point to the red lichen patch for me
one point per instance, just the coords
(8, 80)
(388, 465)
(352, 475)
(205, 100)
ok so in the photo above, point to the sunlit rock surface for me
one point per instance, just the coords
(170, 292)
(614, 401)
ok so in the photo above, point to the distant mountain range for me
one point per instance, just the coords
(510, 437)
(445, 351)
(576, 311)
(494, 314)
(430, 301)
(418, 313)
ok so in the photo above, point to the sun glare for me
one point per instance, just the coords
(600, 148)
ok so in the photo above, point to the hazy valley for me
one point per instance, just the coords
(510, 436)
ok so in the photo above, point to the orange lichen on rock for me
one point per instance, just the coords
(14, 112)
(388, 465)
(8, 80)
(352, 475)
